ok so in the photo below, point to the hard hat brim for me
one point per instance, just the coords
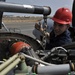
(60, 21)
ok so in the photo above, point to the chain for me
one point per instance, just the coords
(45, 27)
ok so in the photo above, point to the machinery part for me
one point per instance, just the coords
(21, 37)
(48, 55)
(7, 69)
(63, 69)
(59, 55)
(9, 7)
(7, 39)
(69, 46)
(9, 64)
(21, 68)
(37, 60)
(5, 64)
(66, 17)
(53, 70)
(18, 46)
(21, 46)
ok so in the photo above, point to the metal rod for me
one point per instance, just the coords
(2, 66)
(3, 25)
(11, 66)
(9, 7)
(1, 15)
(40, 61)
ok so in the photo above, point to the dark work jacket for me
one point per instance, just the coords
(59, 40)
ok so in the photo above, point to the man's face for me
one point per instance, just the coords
(59, 28)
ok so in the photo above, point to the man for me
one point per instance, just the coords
(60, 34)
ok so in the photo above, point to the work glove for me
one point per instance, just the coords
(39, 26)
(41, 29)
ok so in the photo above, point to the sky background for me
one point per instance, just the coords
(54, 4)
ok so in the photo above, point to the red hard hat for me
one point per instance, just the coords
(18, 46)
(63, 16)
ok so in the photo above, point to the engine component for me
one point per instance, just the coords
(18, 46)
(19, 59)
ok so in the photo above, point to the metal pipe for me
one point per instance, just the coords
(3, 0)
(54, 70)
(9, 7)
(40, 61)
(10, 60)
(11, 66)
(69, 46)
